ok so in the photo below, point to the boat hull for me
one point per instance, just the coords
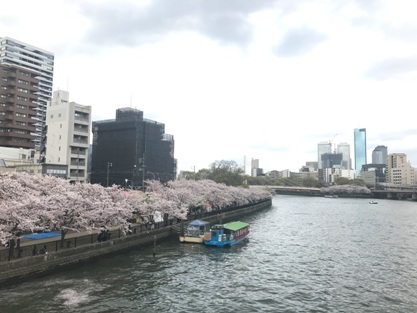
(227, 243)
(188, 239)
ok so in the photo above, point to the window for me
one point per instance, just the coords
(20, 115)
(24, 73)
(21, 81)
(22, 90)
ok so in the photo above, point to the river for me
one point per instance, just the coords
(304, 254)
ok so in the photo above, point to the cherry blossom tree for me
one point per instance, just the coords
(31, 203)
(345, 189)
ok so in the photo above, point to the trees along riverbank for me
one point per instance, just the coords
(30, 203)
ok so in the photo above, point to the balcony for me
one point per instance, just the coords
(76, 152)
(80, 164)
(13, 134)
(83, 130)
(80, 141)
(84, 120)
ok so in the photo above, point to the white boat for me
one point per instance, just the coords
(195, 232)
(373, 202)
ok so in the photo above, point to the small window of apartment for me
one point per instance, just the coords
(22, 90)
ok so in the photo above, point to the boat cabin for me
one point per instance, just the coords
(198, 228)
(228, 232)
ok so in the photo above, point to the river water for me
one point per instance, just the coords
(303, 255)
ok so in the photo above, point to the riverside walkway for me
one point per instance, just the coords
(72, 239)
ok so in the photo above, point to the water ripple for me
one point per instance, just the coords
(303, 255)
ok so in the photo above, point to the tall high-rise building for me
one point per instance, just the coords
(68, 135)
(332, 160)
(18, 97)
(254, 167)
(40, 62)
(322, 148)
(344, 149)
(360, 149)
(129, 150)
(379, 155)
(399, 170)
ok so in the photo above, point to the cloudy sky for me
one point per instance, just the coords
(237, 79)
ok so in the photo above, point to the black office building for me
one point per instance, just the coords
(130, 150)
(331, 160)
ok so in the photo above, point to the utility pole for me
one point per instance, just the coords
(143, 166)
(108, 170)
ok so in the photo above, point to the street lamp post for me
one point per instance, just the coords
(109, 164)
(126, 181)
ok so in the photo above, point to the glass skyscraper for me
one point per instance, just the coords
(379, 155)
(322, 148)
(344, 149)
(360, 149)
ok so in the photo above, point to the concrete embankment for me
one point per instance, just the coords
(84, 247)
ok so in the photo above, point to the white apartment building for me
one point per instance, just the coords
(254, 167)
(399, 170)
(68, 135)
(331, 174)
(17, 53)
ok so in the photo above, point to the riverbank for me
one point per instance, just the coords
(84, 247)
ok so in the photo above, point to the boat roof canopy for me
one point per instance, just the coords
(198, 223)
(234, 226)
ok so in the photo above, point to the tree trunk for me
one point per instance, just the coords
(19, 251)
(63, 233)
